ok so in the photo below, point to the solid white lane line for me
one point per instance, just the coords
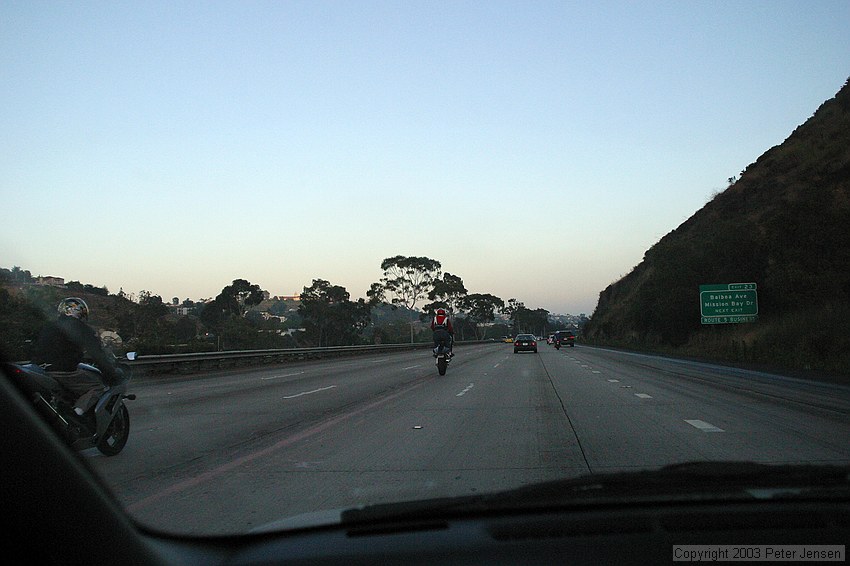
(284, 375)
(309, 392)
(704, 426)
(411, 367)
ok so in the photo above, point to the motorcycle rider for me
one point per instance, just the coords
(60, 347)
(444, 333)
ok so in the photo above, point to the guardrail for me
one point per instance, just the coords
(206, 361)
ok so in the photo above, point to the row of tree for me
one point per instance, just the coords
(413, 286)
(407, 294)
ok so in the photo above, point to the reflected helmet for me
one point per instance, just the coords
(75, 307)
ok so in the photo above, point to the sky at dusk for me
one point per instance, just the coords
(536, 149)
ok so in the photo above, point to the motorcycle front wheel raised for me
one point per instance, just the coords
(116, 434)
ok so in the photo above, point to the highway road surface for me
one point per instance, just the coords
(232, 451)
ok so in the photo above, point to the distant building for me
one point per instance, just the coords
(50, 281)
(180, 310)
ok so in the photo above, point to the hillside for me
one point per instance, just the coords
(785, 224)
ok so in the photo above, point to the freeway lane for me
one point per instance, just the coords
(635, 411)
(258, 445)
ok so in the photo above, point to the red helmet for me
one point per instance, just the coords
(441, 312)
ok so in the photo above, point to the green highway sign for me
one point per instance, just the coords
(728, 304)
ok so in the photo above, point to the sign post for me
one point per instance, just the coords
(728, 304)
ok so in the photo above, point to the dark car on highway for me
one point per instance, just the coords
(564, 338)
(525, 343)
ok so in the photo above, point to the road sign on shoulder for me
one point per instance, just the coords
(728, 303)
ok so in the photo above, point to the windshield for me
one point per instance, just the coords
(269, 202)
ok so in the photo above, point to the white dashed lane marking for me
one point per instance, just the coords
(279, 376)
(468, 387)
(703, 426)
(309, 392)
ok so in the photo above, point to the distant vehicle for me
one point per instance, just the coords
(564, 338)
(507, 339)
(525, 343)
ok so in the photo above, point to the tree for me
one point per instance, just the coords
(525, 320)
(123, 312)
(239, 296)
(537, 321)
(185, 330)
(448, 291)
(278, 308)
(150, 328)
(78, 287)
(481, 308)
(233, 302)
(406, 281)
(20, 276)
(21, 321)
(511, 308)
(329, 317)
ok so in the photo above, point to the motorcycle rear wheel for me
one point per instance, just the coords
(441, 366)
(116, 434)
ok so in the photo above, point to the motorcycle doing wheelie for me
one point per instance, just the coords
(106, 426)
(442, 352)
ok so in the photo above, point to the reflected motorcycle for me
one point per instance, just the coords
(106, 426)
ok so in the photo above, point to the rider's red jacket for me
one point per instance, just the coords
(442, 321)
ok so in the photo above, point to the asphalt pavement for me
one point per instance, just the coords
(235, 450)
